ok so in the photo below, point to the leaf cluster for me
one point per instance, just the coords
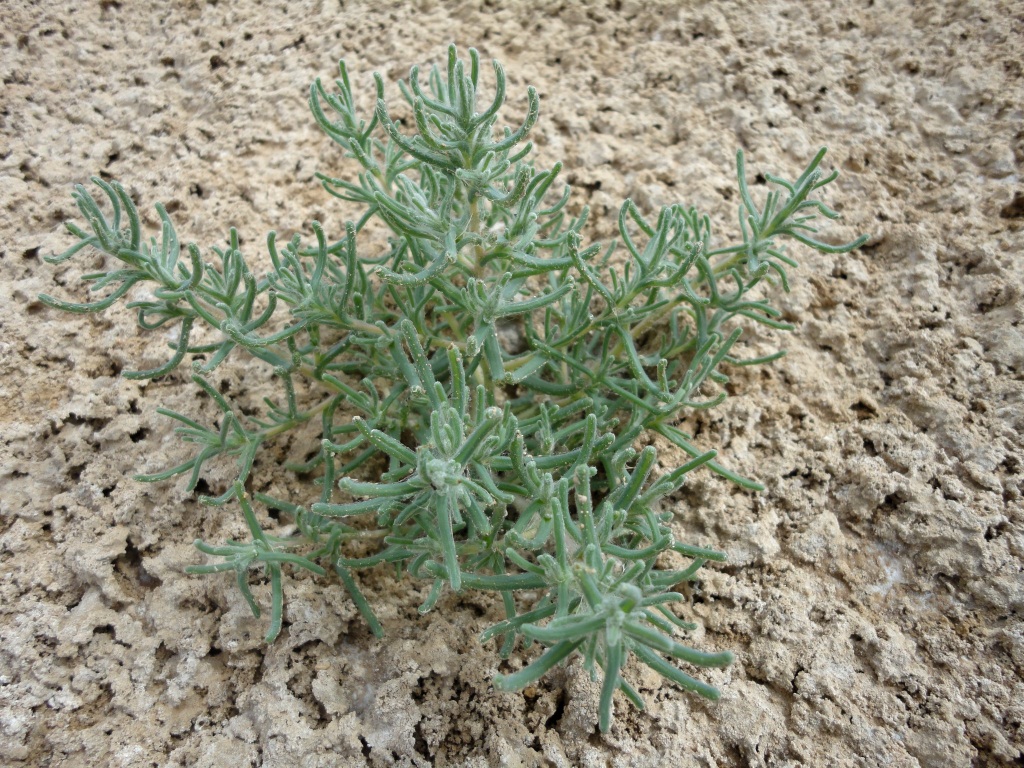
(482, 384)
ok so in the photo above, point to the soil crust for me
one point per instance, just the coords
(874, 590)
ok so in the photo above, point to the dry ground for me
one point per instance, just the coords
(874, 592)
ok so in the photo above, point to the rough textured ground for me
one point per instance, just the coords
(875, 590)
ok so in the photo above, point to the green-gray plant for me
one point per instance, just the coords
(481, 384)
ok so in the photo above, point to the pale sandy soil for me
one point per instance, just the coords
(875, 590)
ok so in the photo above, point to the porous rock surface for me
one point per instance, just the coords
(874, 590)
